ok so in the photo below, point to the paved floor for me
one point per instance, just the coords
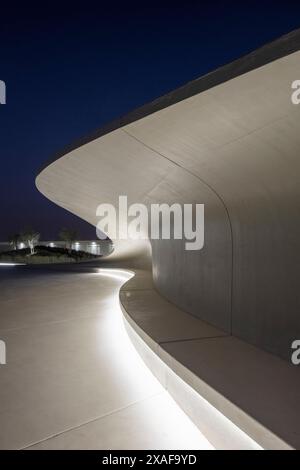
(72, 379)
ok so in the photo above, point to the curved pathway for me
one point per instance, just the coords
(72, 379)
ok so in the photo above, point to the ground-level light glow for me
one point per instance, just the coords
(166, 414)
(12, 264)
(230, 435)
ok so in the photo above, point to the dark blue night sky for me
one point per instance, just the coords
(69, 70)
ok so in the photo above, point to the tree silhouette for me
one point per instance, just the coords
(68, 236)
(31, 237)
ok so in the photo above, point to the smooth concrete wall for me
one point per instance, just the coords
(230, 140)
(198, 281)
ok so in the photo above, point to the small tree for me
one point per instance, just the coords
(31, 237)
(14, 240)
(68, 236)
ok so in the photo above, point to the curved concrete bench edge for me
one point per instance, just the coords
(222, 422)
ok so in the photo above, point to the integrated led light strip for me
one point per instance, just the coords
(175, 422)
(215, 426)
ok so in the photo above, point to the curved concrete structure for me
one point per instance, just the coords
(230, 140)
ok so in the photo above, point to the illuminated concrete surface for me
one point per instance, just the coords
(229, 140)
(73, 379)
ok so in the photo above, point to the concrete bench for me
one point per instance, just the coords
(255, 390)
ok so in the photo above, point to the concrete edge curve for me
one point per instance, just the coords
(269, 52)
(224, 424)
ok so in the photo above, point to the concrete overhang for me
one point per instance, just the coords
(231, 140)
